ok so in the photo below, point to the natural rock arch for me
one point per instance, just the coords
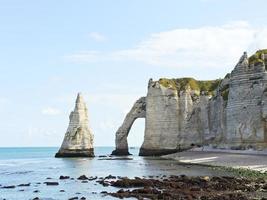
(138, 111)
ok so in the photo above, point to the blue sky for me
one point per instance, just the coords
(51, 50)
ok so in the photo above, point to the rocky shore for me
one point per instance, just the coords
(162, 187)
(183, 187)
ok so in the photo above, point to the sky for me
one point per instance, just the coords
(107, 50)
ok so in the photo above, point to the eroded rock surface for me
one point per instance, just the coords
(78, 140)
(138, 111)
(226, 113)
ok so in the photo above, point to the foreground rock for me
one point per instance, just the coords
(182, 113)
(78, 140)
(183, 187)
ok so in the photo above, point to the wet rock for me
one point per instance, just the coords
(84, 181)
(92, 178)
(184, 187)
(51, 183)
(110, 177)
(36, 191)
(116, 158)
(24, 185)
(64, 177)
(102, 156)
(73, 198)
(9, 187)
(104, 183)
(61, 190)
(83, 177)
(126, 183)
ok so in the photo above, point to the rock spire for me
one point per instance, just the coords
(78, 140)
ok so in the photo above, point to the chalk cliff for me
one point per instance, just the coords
(225, 113)
(138, 111)
(78, 140)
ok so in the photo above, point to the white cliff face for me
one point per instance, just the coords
(181, 114)
(78, 140)
(162, 111)
(245, 123)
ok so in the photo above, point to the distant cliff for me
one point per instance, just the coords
(183, 113)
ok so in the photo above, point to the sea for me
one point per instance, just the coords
(36, 165)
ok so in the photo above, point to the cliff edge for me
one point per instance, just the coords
(224, 113)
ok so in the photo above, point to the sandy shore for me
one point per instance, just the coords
(248, 160)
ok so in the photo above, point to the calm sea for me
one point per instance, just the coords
(35, 165)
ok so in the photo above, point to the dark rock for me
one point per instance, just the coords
(64, 177)
(36, 191)
(102, 156)
(103, 182)
(84, 181)
(83, 177)
(73, 198)
(68, 153)
(36, 198)
(110, 177)
(9, 187)
(51, 183)
(92, 178)
(184, 187)
(82, 198)
(120, 152)
(24, 185)
(157, 152)
(61, 190)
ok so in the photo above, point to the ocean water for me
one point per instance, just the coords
(35, 165)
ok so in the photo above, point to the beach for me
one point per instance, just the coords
(248, 159)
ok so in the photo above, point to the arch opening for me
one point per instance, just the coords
(138, 111)
(136, 136)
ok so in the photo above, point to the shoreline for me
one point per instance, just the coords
(250, 160)
(157, 187)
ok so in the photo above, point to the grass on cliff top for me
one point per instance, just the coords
(256, 57)
(181, 84)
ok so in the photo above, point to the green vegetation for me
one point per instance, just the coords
(256, 58)
(241, 172)
(181, 84)
(168, 83)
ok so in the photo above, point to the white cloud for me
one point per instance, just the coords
(208, 46)
(97, 36)
(50, 111)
